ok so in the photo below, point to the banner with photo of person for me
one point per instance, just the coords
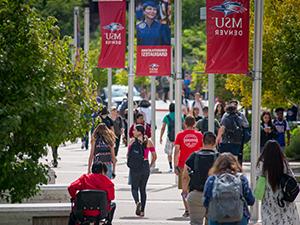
(227, 27)
(153, 37)
(112, 14)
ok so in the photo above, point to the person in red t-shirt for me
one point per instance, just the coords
(186, 142)
(97, 180)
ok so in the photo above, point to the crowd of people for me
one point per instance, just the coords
(208, 164)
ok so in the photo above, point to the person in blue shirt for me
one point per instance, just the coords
(282, 128)
(150, 31)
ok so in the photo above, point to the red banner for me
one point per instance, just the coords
(113, 32)
(227, 36)
(153, 37)
(153, 60)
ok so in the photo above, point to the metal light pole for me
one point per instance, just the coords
(256, 95)
(109, 91)
(178, 64)
(75, 16)
(86, 35)
(153, 107)
(131, 64)
(211, 102)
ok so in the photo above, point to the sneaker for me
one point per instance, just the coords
(186, 214)
(170, 170)
(138, 209)
(142, 214)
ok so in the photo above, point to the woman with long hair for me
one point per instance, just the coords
(227, 163)
(139, 178)
(267, 129)
(102, 149)
(219, 111)
(272, 164)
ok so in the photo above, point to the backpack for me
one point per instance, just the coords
(234, 132)
(226, 204)
(135, 156)
(171, 129)
(203, 161)
(102, 151)
(289, 189)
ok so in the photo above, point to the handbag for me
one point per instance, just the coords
(259, 190)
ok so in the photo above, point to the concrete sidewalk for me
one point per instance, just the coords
(164, 205)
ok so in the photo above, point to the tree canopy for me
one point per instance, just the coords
(43, 98)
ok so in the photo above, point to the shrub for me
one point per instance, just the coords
(293, 150)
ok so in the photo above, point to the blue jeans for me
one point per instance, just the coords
(109, 170)
(244, 221)
(230, 147)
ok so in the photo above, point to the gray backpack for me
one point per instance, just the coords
(226, 204)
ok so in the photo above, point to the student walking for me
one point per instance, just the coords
(138, 163)
(267, 129)
(273, 165)
(194, 176)
(282, 127)
(223, 190)
(186, 142)
(169, 121)
(118, 127)
(230, 134)
(103, 141)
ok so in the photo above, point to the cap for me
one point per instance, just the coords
(149, 3)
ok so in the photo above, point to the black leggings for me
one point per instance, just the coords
(138, 183)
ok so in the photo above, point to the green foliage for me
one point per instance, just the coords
(62, 10)
(191, 12)
(281, 62)
(43, 99)
(293, 150)
(247, 152)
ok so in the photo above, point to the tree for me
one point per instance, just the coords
(62, 10)
(43, 98)
(281, 62)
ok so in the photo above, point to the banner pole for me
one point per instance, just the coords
(211, 102)
(109, 91)
(86, 39)
(178, 65)
(75, 13)
(256, 96)
(131, 64)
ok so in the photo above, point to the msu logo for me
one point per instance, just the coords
(114, 27)
(229, 7)
(153, 66)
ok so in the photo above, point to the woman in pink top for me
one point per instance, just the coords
(139, 178)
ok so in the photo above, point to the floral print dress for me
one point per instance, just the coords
(271, 213)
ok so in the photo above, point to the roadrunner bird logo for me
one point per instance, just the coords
(114, 27)
(229, 7)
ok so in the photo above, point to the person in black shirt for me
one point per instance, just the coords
(192, 186)
(106, 119)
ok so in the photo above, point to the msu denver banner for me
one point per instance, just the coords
(227, 36)
(153, 37)
(113, 32)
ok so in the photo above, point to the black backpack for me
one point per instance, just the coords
(102, 151)
(289, 188)
(203, 161)
(234, 132)
(171, 129)
(135, 156)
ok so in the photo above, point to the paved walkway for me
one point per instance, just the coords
(164, 204)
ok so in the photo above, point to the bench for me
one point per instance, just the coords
(35, 214)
